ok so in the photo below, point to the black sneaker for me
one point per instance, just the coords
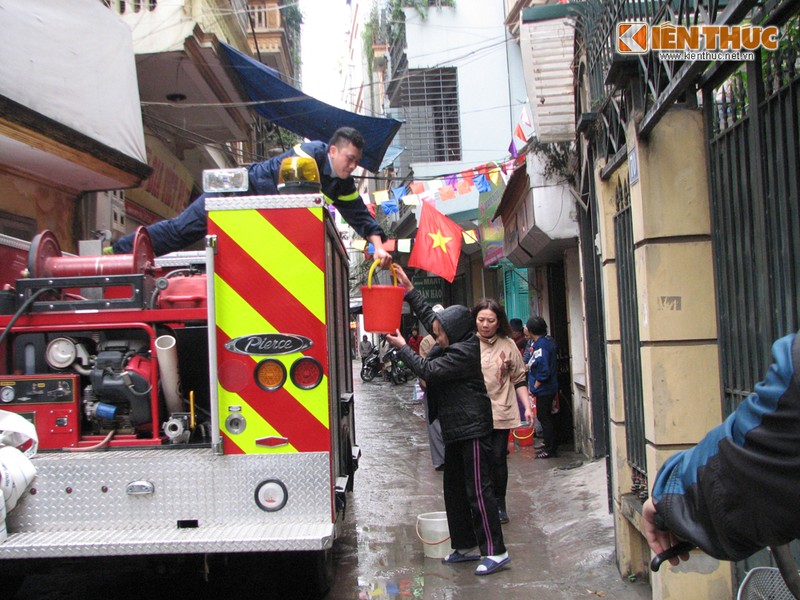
(503, 516)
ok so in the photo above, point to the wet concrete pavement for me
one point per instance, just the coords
(560, 537)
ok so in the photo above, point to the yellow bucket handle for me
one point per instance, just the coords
(372, 270)
(522, 437)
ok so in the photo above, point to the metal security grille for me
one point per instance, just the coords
(428, 103)
(629, 337)
(737, 242)
(754, 151)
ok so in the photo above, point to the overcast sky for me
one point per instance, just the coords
(322, 35)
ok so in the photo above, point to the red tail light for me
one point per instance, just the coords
(306, 373)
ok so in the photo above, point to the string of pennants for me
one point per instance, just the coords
(443, 189)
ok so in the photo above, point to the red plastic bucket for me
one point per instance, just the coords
(524, 434)
(382, 305)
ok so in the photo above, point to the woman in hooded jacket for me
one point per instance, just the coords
(457, 396)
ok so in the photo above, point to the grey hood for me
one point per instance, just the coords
(457, 322)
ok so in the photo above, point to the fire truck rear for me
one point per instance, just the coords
(199, 403)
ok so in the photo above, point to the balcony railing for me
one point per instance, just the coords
(657, 83)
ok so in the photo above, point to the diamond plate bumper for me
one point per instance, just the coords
(79, 505)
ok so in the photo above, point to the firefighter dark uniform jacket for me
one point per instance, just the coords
(455, 388)
(342, 193)
(736, 491)
(190, 225)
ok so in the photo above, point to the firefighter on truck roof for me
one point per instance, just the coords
(336, 162)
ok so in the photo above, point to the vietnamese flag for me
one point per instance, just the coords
(437, 246)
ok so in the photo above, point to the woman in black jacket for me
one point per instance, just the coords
(457, 396)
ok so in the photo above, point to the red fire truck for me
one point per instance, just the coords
(195, 404)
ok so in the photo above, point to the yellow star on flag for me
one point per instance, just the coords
(439, 240)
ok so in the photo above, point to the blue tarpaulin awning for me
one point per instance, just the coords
(288, 107)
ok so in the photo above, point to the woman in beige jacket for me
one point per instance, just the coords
(506, 381)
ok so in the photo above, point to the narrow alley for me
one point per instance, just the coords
(560, 538)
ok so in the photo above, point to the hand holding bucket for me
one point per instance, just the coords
(382, 304)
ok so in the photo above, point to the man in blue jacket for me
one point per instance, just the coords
(736, 491)
(541, 357)
(336, 161)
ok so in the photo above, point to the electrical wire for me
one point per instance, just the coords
(21, 310)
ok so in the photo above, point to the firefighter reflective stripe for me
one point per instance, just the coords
(269, 278)
(300, 152)
(349, 197)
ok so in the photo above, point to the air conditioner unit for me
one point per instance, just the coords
(543, 223)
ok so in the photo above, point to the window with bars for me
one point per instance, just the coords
(428, 103)
(266, 16)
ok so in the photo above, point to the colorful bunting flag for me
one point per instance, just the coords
(381, 196)
(388, 245)
(390, 206)
(512, 150)
(470, 236)
(447, 193)
(524, 118)
(417, 187)
(519, 134)
(523, 130)
(437, 246)
(404, 245)
(482, 184)
(427, 196)
(411, 200)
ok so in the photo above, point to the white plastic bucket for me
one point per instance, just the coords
(433, 532)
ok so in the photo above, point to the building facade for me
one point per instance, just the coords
(682, 201)
(70, 123)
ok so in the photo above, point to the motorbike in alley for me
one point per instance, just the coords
(404, 373)
(393, 369)
(371, 366)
